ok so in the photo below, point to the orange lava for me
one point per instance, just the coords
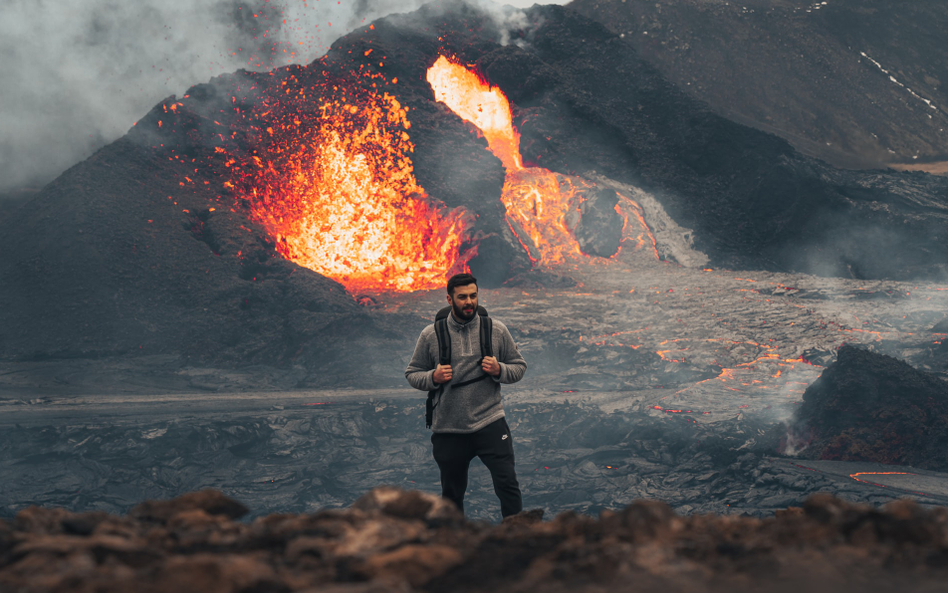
(338, 194)
(474, 100)
(542, 206)
(854, 476)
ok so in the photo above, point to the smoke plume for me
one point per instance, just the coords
(77, 75)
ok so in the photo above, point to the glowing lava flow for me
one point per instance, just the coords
(339, 194)
(542, 206)
(476, 101)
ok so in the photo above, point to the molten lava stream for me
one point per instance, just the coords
(474, 100)
(340, 196)
(539, 203)
(537, 206)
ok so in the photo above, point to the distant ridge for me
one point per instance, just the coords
(857, 83)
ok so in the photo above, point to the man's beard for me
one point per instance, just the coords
(461, 315)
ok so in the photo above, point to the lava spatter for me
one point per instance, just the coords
(337, 191)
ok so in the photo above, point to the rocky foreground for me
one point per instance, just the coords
(395, 540)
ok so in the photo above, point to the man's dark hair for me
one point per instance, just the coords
(460, 280)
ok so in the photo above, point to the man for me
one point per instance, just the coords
(469, 421)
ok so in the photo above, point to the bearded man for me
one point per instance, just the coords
(468, 417)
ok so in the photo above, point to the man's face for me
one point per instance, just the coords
(464, 302)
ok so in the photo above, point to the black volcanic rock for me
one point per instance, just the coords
(872, 407)
(810, 72)
(596, 225)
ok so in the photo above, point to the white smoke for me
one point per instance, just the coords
(77, 74)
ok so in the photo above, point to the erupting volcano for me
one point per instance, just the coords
(335, 187)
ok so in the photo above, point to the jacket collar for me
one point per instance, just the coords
(457, 325)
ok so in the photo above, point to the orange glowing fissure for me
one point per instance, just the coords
(854, 476)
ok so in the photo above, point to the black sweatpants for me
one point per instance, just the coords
(494, 445)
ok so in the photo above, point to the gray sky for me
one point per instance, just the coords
(76, 74)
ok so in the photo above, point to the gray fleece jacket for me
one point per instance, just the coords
(468, 408)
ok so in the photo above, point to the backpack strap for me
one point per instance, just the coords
(444, 357)
(444, 340)
(487, 330)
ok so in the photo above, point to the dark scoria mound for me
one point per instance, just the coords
(815, 73)
(872, 407)
(114, 258)
(393, 540)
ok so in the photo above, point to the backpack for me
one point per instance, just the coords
(444, 353)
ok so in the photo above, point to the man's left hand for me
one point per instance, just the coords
(491, 366)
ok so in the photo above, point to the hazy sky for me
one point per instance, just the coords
(77, 73)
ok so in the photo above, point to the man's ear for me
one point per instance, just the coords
(449, 298)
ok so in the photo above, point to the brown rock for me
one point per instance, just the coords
(7, 538)
(375, 536)
(210, 501)
(362, 588)
(195, 530)
(411, 504)
(282, 528)
(50, 544)
(34, 519)
(414, 564)
(129, 552)
(214, 573)
(83, 523)
(531, 517)
(650, 519)
(305, 546)
(904, 509)
(828, 545)
(45, 571)
(789, 512)
(826, 508)
(119, 527)
(192, 519)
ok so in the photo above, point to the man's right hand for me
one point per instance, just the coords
(442, 374)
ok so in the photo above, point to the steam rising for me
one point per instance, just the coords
(78, 75)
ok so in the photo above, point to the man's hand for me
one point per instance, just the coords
(442, 374)
(491, 366)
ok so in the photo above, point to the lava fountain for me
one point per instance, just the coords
(542, 206)
(331, 178)
(337, 192)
